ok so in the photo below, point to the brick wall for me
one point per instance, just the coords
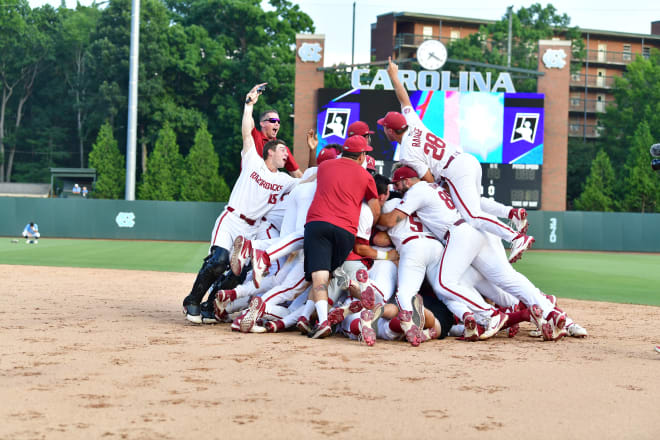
(554, 84)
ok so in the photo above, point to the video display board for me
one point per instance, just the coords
(504, 131)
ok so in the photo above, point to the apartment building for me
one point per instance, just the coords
(398, 34)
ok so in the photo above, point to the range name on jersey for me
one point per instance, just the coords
(266, 185)
(433, 80)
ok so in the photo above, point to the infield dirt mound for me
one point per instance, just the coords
(89, 353)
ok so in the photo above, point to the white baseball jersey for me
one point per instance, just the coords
(256, 192)
(433, 205)
(422, 150)
(258, 189)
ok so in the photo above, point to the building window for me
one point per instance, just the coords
(427, 31)
(454, 35)
(646, 52)
(627, 52)
(575, 76)
(574, 128)
(575, 101)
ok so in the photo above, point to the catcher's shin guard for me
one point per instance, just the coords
(215, 264)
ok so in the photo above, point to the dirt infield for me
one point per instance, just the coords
(89, 353)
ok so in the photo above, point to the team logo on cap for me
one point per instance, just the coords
(336, 122)
(524, 127)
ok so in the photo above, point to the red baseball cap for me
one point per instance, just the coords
(393, 120)
(325, 154)
(371, 163)
(359, 128)
(356, 144)
(403, 173)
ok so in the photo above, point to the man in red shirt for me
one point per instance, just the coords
(270, 125)
(332, 221)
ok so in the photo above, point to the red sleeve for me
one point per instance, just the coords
(372, 191)
(258, 141)
(291, 164)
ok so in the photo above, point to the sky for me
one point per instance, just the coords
(334, 18)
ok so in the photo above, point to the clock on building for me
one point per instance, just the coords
(431, 54)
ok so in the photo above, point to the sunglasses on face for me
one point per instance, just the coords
(272, 120)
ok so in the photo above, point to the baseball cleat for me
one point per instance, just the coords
(320, 331)
(553, 328)
(240, 254)
(536, 318)
(255, 310)
(429, 334)
(495, 324)
(576, 331)
(361, 276)
(535, 333)
(192, 311)
(519, 245)
(369, 325)
(368, 298)
(343, 280)
(470, 331)
(338, 314)
(513, 330)
(303, 325)
(274, 326)
(518, 218)
(260, 265)
(208, 313)
(412, 332)
(418, 312)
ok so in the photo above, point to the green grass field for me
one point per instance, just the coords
(616, 277)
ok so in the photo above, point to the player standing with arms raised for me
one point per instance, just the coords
(433, 159)
(256, 191)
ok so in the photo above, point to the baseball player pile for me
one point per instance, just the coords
(427, 260)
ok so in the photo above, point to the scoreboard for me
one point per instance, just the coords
(504, 131)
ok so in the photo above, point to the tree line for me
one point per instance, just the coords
(64, 76)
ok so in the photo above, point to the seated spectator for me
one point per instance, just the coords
(84, 191)
(75, 189)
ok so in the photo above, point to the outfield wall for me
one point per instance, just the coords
(117, 219)
(193, 221)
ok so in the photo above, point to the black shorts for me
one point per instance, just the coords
(326, 247)
(438, 308)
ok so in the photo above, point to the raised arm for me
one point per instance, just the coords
(399, 90)
(248, 121)
(312, 143)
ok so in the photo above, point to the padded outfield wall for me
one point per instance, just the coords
(193, 221)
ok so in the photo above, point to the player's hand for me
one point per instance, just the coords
(392, 69)
(312, 139)
(393, 255)
(253, 95)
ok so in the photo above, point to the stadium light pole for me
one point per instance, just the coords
(132, 101)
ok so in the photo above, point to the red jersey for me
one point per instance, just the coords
(260, 140)
(341, 186)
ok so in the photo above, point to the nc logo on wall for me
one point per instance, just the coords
(310, 52)
(336, 122)
(125, 219)
(524, 127)
(554, 58)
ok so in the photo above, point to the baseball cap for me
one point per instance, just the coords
(356, 144)
(359, 128)
(393, 120)
(403, 173)
(325, 154)
(371, 163)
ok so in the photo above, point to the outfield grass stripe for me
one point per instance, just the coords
(615, 277)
